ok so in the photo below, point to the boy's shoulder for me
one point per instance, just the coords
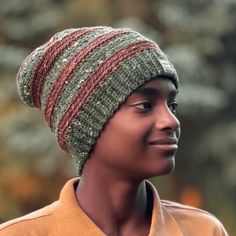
(181, 209)
(31, 224)
(187, 217)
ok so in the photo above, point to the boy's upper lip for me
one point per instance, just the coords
(163, 141)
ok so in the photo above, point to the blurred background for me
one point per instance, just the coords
(199, 38)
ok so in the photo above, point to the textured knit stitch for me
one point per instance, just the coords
(64, 57)
(80, 77)
(24, 78)
(85, 69)
(65, 75)
(47, 61)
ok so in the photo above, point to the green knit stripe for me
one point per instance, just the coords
(24, 86)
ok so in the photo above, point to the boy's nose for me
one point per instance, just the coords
(166, 120)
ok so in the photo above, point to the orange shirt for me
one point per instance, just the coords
(65, 218)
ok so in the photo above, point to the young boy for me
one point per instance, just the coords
(109, 95)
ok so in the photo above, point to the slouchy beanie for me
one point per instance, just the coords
(81, 76)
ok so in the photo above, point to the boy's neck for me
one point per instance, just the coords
(117, 207)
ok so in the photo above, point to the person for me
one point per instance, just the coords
(110, 97)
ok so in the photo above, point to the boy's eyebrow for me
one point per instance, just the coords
(153, 91)
(147, 91)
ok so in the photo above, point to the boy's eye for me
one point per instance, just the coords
(173, 107)
(144, 106)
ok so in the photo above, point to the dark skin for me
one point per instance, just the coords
(138, 142)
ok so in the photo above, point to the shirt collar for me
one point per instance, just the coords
(163, 223)
(71, 218)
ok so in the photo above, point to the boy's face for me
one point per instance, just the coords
(140, 140)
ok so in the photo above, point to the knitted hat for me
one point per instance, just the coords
(80, 77)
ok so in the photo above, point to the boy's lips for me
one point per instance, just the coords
(168, 144)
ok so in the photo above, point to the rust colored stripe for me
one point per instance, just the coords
(93, 81)
(46, 62)
(66, 74)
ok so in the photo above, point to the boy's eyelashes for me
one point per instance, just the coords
(143, 106)
(147, 106)
(173, 107)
